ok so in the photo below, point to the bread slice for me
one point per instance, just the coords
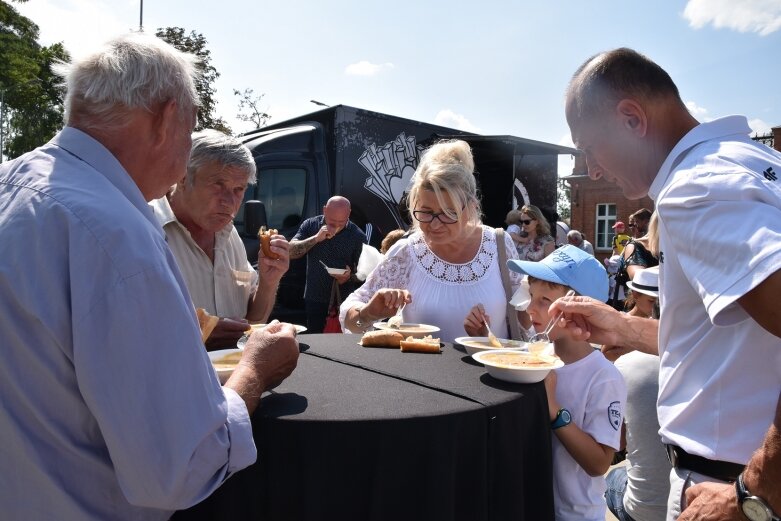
(382, 338)
(426, 344)
(207, 322)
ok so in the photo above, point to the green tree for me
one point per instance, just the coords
(564, 202)
(251, 104)
(195, 43)
(30, 93)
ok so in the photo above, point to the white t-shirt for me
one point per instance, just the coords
(719, 208)
(593, 391)
(442, 293)
(647, 467)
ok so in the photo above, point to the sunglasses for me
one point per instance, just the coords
(526, 223)
(632, 225)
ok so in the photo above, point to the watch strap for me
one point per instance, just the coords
(563, 418)
(743, 495)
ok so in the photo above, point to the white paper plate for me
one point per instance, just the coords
(409, 329)
(299, 329)
(336, 271)
(476, 344)
(516, 374)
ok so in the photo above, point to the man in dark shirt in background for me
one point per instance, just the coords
(330, 239)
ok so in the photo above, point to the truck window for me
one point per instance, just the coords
(283, 191)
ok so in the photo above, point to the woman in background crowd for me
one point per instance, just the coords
(539, 243)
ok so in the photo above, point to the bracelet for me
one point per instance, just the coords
(359, 322)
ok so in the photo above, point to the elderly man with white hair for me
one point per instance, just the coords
(111, 409)
(575, 238)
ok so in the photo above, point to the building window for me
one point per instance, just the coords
(606, 218)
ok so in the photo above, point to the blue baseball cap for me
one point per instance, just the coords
(569, 266)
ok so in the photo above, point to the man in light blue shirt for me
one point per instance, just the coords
(110, 406)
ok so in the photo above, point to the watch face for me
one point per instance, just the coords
(566, 416)
(755, 510)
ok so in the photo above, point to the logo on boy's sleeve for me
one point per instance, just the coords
(614, 415)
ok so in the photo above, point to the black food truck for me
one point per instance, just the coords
(369, 158)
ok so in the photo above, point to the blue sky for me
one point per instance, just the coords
(496, 67)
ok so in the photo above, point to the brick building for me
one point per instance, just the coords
(597, 205)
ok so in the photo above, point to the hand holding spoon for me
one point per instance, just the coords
(538, 342)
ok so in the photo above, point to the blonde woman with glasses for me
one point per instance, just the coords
(448, 268)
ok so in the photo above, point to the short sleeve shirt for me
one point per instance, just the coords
(718, 199)
(344, 249)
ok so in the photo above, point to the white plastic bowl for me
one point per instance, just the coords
(515, 374)
(223, 373)
(477, 344)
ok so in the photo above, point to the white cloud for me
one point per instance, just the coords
(81, 25)
(364, 68)
(448, 118)
(698, 112)
(759, 127)
(756, 16)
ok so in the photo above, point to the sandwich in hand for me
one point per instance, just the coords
(265, 242)
(207, 322)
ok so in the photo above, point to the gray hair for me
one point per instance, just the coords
(575, 235)
(214, 146)
(448, 167)
(132, 71)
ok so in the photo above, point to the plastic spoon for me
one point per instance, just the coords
(538, 342)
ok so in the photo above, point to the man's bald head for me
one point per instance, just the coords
(338, 202)
(606, 78)
(336, 213)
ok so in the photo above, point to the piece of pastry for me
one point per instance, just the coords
(207, 322)
(265, 242)
(426, 344)
(381, 338)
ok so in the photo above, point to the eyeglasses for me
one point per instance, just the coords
(427, 217)
(632, 225)
(527, 223)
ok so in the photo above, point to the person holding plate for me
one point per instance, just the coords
(448, 265)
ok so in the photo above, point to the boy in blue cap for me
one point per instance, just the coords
(586, 396)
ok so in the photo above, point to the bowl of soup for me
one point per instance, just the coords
(224, 362)
(476, 344)
(517, 366)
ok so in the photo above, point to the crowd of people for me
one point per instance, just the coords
(133, 214)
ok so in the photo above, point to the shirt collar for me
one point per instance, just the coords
(718, 128)
(92, 152)
(163, 212)
(165, 216)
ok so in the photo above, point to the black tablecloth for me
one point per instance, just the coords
(376, 434)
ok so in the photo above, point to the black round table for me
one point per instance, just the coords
(376, 434)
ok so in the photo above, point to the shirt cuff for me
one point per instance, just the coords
(242, 446)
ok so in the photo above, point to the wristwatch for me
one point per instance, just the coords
(563, 418)
(753, 507)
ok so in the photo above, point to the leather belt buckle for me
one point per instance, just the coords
(672, 456)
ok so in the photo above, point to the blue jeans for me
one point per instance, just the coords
(614, 495)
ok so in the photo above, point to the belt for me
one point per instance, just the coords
(723, 470)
